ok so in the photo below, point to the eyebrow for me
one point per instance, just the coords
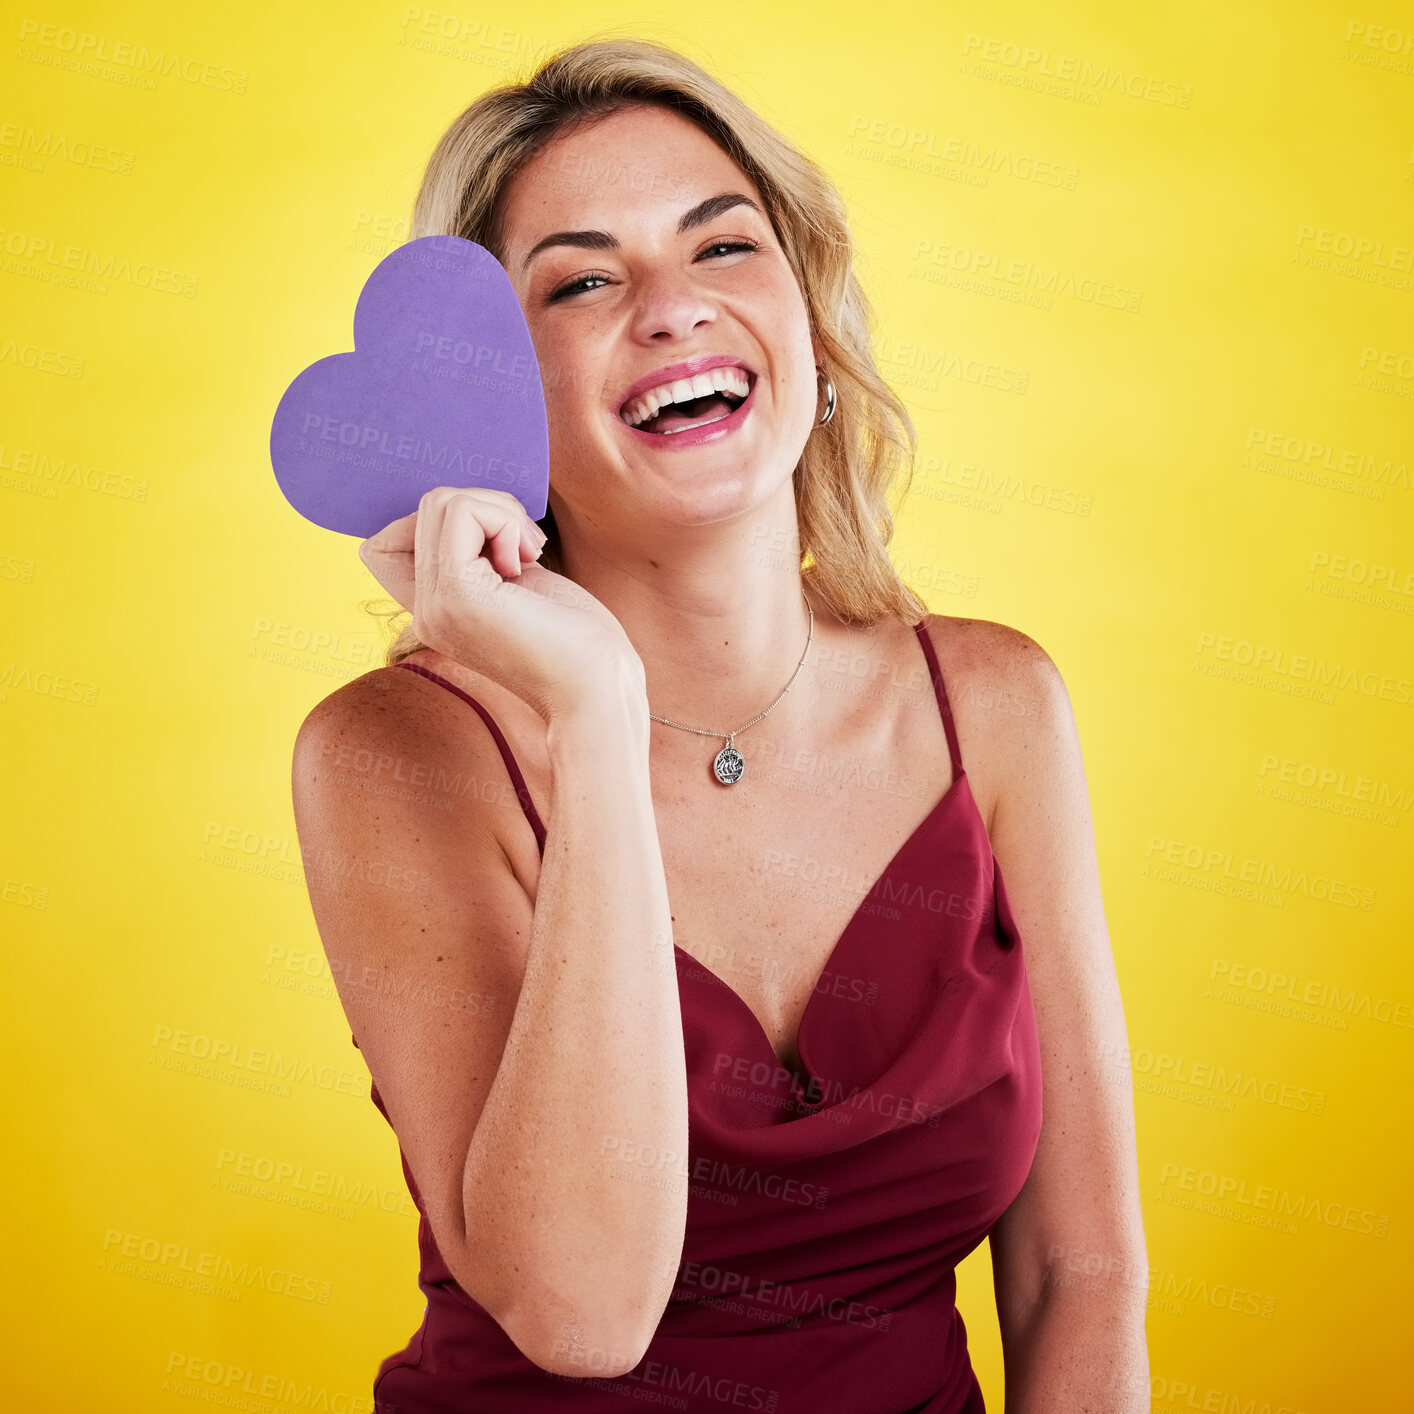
(695, 216)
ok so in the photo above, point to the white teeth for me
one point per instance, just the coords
(701, 385)
(689, 426)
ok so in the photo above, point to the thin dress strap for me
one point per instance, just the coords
(941, 692)
(517, 780)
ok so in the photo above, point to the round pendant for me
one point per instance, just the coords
(729, 765)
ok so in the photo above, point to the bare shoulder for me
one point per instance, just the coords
(987, 653)
(384, 704)
(364, 724)
(359, 709)
(355, 737)
(1009, 703)
(400, 751)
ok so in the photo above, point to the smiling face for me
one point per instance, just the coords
(656, 293)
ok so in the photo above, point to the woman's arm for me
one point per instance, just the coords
(524, 1117)
(1068, 1256)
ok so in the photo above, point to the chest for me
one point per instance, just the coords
(770, 890)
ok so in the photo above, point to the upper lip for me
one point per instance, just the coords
(688, 369)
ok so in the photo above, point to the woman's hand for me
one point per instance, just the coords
(499, 613)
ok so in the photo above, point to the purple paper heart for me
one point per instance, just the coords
(442, 389)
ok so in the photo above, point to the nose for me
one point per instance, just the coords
(671, 306)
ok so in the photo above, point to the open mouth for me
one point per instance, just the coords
(689, 402)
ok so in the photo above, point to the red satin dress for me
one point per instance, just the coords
(825, 1217)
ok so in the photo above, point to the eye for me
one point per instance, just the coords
(582, 283)
(574, 286)
(729, 246)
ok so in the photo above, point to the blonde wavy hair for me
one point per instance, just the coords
(849, 466)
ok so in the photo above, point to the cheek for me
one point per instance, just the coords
(556, 366)
(572, 380)
(797, 359)
(789, 323)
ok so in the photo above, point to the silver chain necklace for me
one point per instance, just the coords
(729, 764)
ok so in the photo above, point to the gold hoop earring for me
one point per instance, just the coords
(829, 395)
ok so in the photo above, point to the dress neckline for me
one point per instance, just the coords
(956, 788)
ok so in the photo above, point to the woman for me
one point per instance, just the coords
(706, 1031)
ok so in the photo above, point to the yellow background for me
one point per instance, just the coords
(1156, 484)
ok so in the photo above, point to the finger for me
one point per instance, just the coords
(395, 538)
(388, 557)
(502, 521)
(427, 552)
(505, 547)
(397, 534)
(480, 530)
(460, 536)
(468, 576)
(533, 539)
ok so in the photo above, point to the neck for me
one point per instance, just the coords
(720, 627)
